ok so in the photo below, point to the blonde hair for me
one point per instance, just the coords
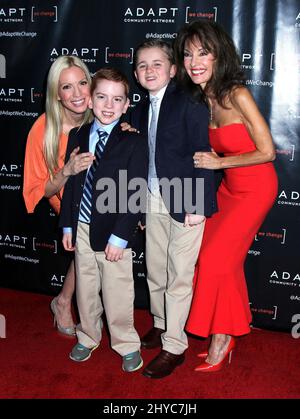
(54, 108)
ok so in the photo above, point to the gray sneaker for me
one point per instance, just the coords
(132, 362)
(81, 353)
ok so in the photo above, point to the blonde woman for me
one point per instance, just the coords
(45, 173)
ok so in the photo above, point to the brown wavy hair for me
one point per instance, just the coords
(227, 72)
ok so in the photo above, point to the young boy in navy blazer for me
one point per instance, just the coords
(100, 234)
(177, 127)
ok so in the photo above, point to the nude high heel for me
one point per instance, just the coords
(207, 367)
(70, 330)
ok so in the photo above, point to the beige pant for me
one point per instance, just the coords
(171, 255)
(115, 280)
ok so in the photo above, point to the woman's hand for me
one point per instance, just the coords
(77, 162)
(207, 160)
(127, 127)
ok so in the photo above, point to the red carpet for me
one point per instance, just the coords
(34, 363)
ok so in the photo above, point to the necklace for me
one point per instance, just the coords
(211, 113)
(212, 109)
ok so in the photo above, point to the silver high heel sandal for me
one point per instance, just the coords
(70, 330)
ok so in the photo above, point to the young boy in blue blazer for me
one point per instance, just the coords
(98, 228)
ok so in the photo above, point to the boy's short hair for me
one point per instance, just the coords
(154, 43)
(111, 74)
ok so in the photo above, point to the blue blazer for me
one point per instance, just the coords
(123, 151)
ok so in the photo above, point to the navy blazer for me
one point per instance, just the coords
(123, 151)
(182, 129)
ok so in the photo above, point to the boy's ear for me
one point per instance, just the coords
(126, 105)
(136, 75)
(90, 104)
(173, 70)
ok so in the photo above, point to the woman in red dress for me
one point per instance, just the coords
(208, 65)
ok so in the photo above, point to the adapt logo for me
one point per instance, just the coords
(150, 15)
(57, 280)
(138, 258)
(289, 198)
(11, 94)
(87, 54)
(135, 99)
(11, 170)
(252, 61)
(12, 14)
(10, 173)
(2, 66)
(21, 14)
(20, 95)
(191, 15)
(285, 278)
(10, 240)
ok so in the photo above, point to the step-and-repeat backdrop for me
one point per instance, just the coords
(33, 33)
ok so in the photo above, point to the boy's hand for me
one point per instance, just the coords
(193, 219)
(113, 253)
(67, 242)
(142, 226)
(125, 126)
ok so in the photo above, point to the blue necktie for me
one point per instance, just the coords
(86, 200)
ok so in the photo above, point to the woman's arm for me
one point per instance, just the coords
(250, 116)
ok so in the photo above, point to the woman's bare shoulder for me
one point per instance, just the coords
(240, 96)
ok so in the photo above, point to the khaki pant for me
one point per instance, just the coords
(171, 254)
(115, 280)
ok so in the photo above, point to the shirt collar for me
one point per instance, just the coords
(159, 95)
(107, 128)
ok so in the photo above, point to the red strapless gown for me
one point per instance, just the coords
(220, 303)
